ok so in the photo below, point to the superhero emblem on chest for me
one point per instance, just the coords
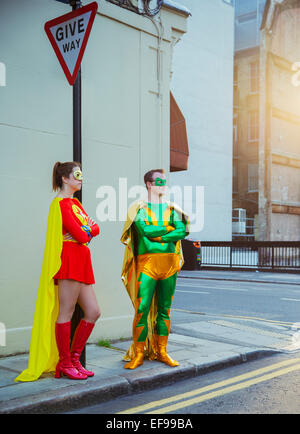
(82, 217)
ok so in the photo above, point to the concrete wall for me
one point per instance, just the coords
(202, 84)
(125, 133)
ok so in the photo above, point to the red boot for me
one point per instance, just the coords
(65, 366)
(81, 335)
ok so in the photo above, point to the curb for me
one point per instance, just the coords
(83, 395)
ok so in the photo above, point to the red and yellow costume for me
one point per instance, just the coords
(75, 256)
(66, 256)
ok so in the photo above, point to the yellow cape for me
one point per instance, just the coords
(129, 275)
(43, 354)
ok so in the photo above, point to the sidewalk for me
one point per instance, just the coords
(50, 395)
(207, 343)
(243, 276)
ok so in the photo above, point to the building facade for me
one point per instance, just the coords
(279, 154)
(202, 84)
(248, 18)
(266, 123)
(126, 75)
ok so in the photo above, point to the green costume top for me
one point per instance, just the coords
(155, 223)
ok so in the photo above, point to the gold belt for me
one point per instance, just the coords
(69, 239)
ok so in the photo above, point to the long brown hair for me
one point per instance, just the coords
(60, 170)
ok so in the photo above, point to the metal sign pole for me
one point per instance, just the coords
(77, 156)
(77, 153)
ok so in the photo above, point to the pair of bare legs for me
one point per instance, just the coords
(71, 292)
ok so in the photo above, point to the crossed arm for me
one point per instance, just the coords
(72, 225)
(159, 233)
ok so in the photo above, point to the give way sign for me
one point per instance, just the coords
(68, 35)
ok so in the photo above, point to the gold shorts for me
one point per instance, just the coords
(158, 266)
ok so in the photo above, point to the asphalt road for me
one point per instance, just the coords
(278, 302)
(265, 386)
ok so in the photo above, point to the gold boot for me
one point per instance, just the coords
(138, 360)
(162, 355)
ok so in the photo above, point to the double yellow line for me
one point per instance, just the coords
(233, 384)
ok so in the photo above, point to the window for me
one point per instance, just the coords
(235, 178)
(235, 134)
(247, 17)
(254, 77)
(252, 178)
(253, 127)
(235, 147)
(235, 87)
(235, 75)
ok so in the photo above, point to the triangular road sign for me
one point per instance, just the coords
(68, 35)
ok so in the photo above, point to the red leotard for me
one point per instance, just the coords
(76, 261)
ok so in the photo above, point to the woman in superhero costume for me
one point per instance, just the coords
(153, 257)
(66, 279)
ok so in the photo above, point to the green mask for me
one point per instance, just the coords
(160, 182)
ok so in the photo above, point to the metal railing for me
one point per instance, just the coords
(257, 255)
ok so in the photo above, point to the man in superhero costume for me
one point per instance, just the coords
(153, 257)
